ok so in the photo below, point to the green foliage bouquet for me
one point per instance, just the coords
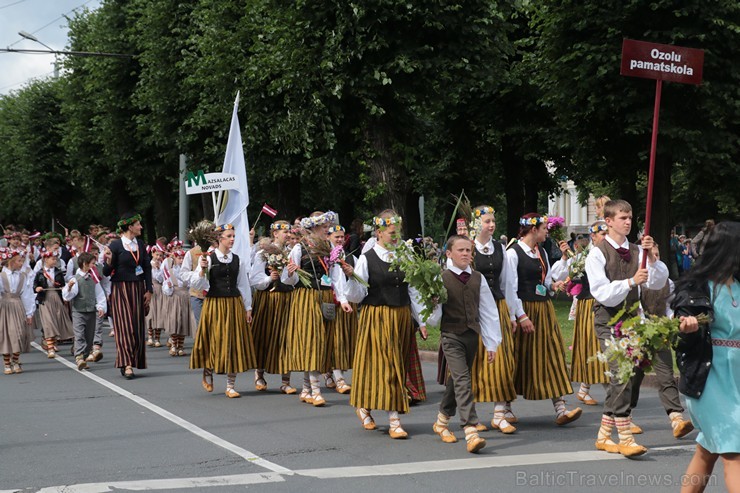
(635, 341)
(421, 273)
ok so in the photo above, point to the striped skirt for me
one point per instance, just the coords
(586, 345)
(494, 382)
(15, 336)
(379, 366)
(180, 321)
(269, 328)
(345, 338)
(54, 318)
(310, 337)
(158, 308)
(223, 341)
(541, 372)
(127, 309)
(414, 376)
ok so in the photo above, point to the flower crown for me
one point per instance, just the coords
(328, 217)
(384, 222)
(532, 221)
(224, 227)
(480, 211)
(7, 254)
(123, 223)
(279, 227)
(47, 254)
(174, 244)
(179, 253)
(598, 227)
(336, 228)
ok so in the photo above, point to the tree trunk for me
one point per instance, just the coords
(385, 174)
(514, 186)
(165, 213)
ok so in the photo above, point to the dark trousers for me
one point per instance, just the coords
(460, 351)
(618, 400)
(667, 390)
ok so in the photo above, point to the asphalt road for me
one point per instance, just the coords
(61, 430)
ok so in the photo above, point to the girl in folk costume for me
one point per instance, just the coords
(54, 316)
(312, 309)
(16, 310)
(180, 323)
(157, 311)
(384, 332)
(541, 372)
(495, 382)
(167, 301)
(345, 326)
(223, 342)
(271, 307)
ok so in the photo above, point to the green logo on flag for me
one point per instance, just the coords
(197, 179)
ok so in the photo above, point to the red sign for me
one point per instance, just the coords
(665, 62)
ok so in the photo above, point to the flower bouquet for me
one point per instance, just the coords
(556, 228)
(420, 273)
(576, 272)
(337, 255)
(635, 341)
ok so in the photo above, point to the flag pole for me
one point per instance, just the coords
(258, 218)
(651, 173)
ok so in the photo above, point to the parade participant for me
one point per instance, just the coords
(129, 267)
(469, 315)
(312, 309)
(615, 277)
(709, 357)
(270, 322)
(541, 371)
(203, 229)
(345, 326)
(495, 382)
(157, 309)
(87, 298)
(16, 310)
(223, 342)
(180, 322)
(654, 302)
(102, 324)
(54, 317)
(77, 244)
(384, 331)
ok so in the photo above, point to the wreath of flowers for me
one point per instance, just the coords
(480, 211)
(598, 227)
(7, 254)
(328, 217)
(384, 222)
(175, 244)
(279, 227)
(47, 254)
(532, 221)
(224, 227)
(336, 228)
(179, 253)
(123, 223)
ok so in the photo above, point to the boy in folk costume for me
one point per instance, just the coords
(180, 322)
(16, 310)
(102, 324)
(55, 321)
(616, 279)
(77, 245)
(470, 313)
(87, 299)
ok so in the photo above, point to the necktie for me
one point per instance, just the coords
(464, 277)
(624, 254)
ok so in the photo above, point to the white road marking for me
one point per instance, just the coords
(168, 484)
(196, 430)
(479, 462)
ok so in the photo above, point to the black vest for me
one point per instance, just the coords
(529, 271)
(312, 265)
(223, 278)
(585, 293)
(491, 266)
(387, 287)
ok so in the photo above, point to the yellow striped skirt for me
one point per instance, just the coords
(494, 382)
(223, 341)
(379, 366)
(345, 338)
(309, 336)
(541, 372)
(586, 345)
(270, 328)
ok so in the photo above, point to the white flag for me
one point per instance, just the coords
(233, 209)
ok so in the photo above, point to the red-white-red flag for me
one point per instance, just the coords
(269, 210)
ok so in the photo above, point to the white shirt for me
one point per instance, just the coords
(359, 292)
(338, 280)
(490, 326)
(505, 279)
(200, 283)
(129, 244)
(68, 294)
(71, 270)
(175, 280)
(28, 297)
(514, 264)
(613, 293)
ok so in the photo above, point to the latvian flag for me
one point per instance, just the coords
(95, 275)
(269, 210)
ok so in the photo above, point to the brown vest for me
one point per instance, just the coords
(616, 270)
(195, 254)
(653, 300)
(461, 310)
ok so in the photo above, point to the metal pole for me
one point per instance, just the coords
(182, 230)
(651, 173)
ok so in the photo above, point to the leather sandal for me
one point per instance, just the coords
(444, 433)
(287, 389)
(365, 418)
(330, 383)
(232, 394)
(260, 384)
(318, 400)
(586, 398)
(342, 387)
(207, 381)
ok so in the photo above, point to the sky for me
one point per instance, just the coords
(45, 20)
